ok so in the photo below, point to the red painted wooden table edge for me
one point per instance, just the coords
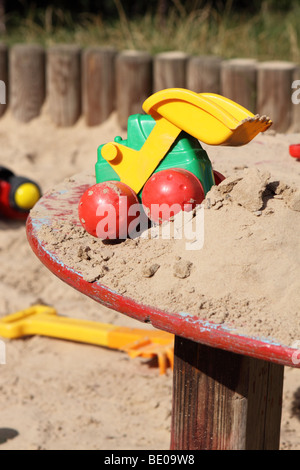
(180, 324)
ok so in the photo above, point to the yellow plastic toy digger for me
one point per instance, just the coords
(44, 321)
(208, 117)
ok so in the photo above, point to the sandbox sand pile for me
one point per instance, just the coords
(238, 265)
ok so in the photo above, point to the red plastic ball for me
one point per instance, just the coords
(104, 210)
(218, 177)
(294, 150)
(168, 192)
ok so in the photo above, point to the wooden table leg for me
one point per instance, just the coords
(224, 401)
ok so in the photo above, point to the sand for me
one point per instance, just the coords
(63, 395)
(238, 265)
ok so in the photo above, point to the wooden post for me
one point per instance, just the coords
(2, 17)
(295, 96)
(238, 82)
(133, 83)
(169, 70)
(26, 81)
(98, 84)
(204, 74)
(274, 92)
(64, 84)
(3, 78)
(224, 401)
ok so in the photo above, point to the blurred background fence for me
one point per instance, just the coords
(92, 82)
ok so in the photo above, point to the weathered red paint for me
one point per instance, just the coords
(184, 325)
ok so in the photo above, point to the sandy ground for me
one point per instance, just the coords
(62, 395)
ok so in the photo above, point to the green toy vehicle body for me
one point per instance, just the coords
(186, 153)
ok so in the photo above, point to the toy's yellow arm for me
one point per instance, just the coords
(134, 167)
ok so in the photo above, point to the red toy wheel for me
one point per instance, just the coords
(295, 150)
(168, 192)
(218, 177)
(106, 210)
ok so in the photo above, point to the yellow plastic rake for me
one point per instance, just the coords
(44, 321)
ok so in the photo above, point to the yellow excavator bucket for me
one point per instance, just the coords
(210, 118)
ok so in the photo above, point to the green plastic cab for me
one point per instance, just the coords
(186, 153)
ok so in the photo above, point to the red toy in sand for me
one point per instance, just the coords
(104, 210)
(17, 195)
(295, 150)
(168, 192)
(218, 177)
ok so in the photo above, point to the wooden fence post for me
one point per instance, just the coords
(98, 84)
(27, 81)
(238, 82)
(274, 92)
(133, 83)
(169, 70)
(64, 84)
(2, 17)
(203, 74)
(3, 78)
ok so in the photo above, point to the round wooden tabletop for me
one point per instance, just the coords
(60, 205)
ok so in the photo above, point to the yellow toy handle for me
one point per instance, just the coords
(44, 321)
